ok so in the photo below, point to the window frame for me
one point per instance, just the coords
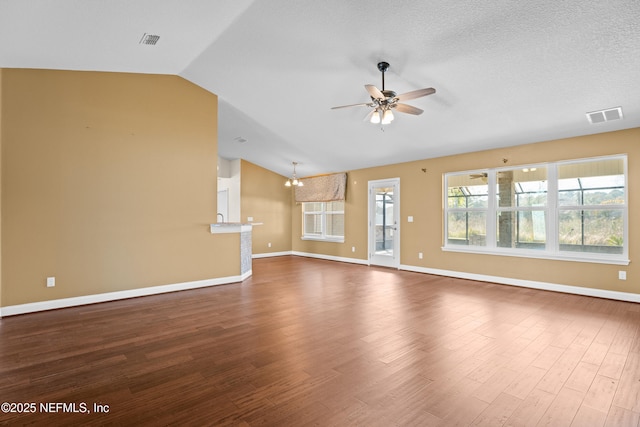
(324, 215)
(551, 211)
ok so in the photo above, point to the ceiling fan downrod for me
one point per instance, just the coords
(383, 67)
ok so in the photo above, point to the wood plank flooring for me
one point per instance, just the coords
(314, 342)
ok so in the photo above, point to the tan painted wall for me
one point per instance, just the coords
(265, 198)
(1, 186)
(108, 184)
(421, 197)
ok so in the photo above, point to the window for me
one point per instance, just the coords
(592, 207)
(467, 202)
(521, 198)
(564, 210)
(323, 221)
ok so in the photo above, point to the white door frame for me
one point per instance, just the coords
(378, 259)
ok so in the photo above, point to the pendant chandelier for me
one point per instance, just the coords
(294, 179)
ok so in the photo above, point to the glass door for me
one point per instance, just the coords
(384, 227)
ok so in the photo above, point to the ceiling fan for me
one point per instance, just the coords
(384, 101)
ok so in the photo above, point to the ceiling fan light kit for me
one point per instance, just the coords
(387, 117)
(384, 101)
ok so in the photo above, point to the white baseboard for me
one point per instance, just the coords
(33, 307)
(311, 255)
(331, 258)
(113, 296)
(271, 254)
(577, 290)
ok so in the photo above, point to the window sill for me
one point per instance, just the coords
(523, 253)
(324, 239)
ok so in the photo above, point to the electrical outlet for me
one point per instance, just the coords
(353, 248)
(269, 244)
(420, 255)
(51, 282)
(622, 275)
(249, 219)
(410, 218)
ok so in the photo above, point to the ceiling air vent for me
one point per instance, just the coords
(605, 115)
(149, 39)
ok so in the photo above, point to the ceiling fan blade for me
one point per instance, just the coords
(352, 105)
(374, 92)
(404, 108)
(415, 94)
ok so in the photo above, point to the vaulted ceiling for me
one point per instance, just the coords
(506, 72)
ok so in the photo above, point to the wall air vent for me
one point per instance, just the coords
(605, 115)
(149, 39)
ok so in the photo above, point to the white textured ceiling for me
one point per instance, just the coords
(506, 72)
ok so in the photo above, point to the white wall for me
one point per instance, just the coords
(229, 180)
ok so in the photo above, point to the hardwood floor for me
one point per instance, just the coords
(313, 342)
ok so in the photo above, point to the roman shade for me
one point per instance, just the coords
(324, 188)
